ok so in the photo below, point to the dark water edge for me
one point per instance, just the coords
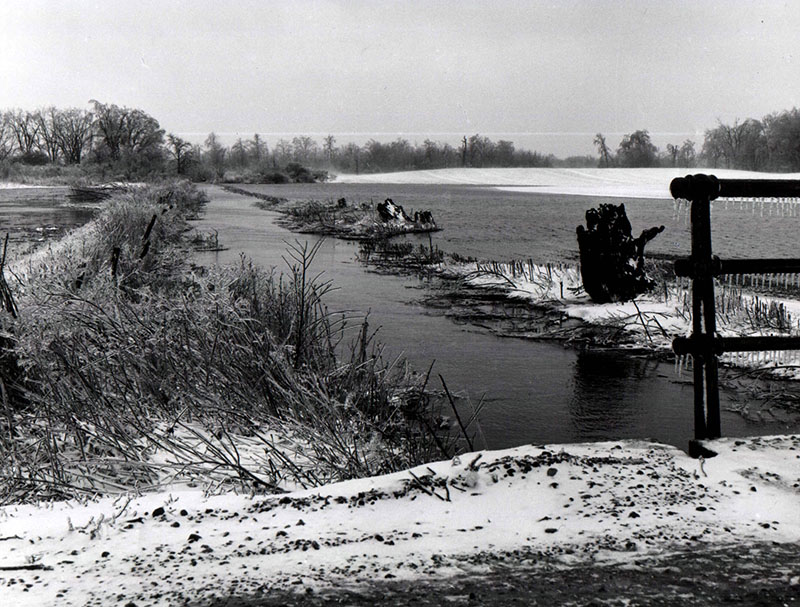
(32, 216)
(532, 392)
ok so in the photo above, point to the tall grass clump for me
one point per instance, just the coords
(138, 370)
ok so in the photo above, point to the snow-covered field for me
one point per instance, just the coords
(573, 503)
(629, 183)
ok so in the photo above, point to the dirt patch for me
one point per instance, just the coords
(753, 574)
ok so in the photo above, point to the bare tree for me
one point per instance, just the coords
(48, 120)
(636, 150)
(7, 139)
(282, 152)
(25, 127)
(239, 153)
(181, 152)
(305, 149)
(602, 148)
(672, 153)
(129, 131)
(504, 153)
(215, 154)
(480, 149)
(686, 155)
(74, 134)
(329, 147)
(257, 149)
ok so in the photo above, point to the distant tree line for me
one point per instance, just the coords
(373, 157)
(129, 143)
(636, 150)
(771, 144)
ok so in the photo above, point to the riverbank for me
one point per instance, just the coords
(159, 372)
(539, 509)
(559, 309)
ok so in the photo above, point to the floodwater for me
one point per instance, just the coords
(487, 223)
(31, 215)
(532, 392)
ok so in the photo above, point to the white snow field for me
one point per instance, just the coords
(627, 183)
(600, 503)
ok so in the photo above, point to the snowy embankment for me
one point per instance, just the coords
(569, 504)
(627, 183)
(651, 321)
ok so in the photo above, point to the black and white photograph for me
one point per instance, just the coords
(399, 302)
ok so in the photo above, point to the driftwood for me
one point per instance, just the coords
(612, 261)
(390, 212)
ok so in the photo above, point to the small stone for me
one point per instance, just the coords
(552, 471)
(158, 512)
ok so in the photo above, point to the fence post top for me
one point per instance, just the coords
(695, 187)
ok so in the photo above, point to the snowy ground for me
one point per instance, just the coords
(583, 505)
(629, 183)
(576, 504)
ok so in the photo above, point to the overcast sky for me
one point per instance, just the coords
(560, 70)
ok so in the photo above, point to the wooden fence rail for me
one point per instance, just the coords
(702, 266)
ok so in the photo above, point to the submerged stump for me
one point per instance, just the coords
(612, 261)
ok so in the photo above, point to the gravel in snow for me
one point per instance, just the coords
(580, 503)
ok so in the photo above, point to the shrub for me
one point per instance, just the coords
(141, 370)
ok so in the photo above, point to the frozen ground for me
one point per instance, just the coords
(565, 506)
(628, 183)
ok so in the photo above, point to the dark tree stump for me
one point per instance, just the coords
(612, 261)
(389, 211)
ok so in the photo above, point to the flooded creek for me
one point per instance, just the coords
(532, 391)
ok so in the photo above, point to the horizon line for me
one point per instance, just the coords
(453, 133)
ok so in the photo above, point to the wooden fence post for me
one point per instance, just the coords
(704, 344)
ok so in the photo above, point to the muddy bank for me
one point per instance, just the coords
(749, 574)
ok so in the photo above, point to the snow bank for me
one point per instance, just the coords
(628, 183)
(575, 503)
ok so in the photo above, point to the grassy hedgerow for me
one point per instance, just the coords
(138, 369)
